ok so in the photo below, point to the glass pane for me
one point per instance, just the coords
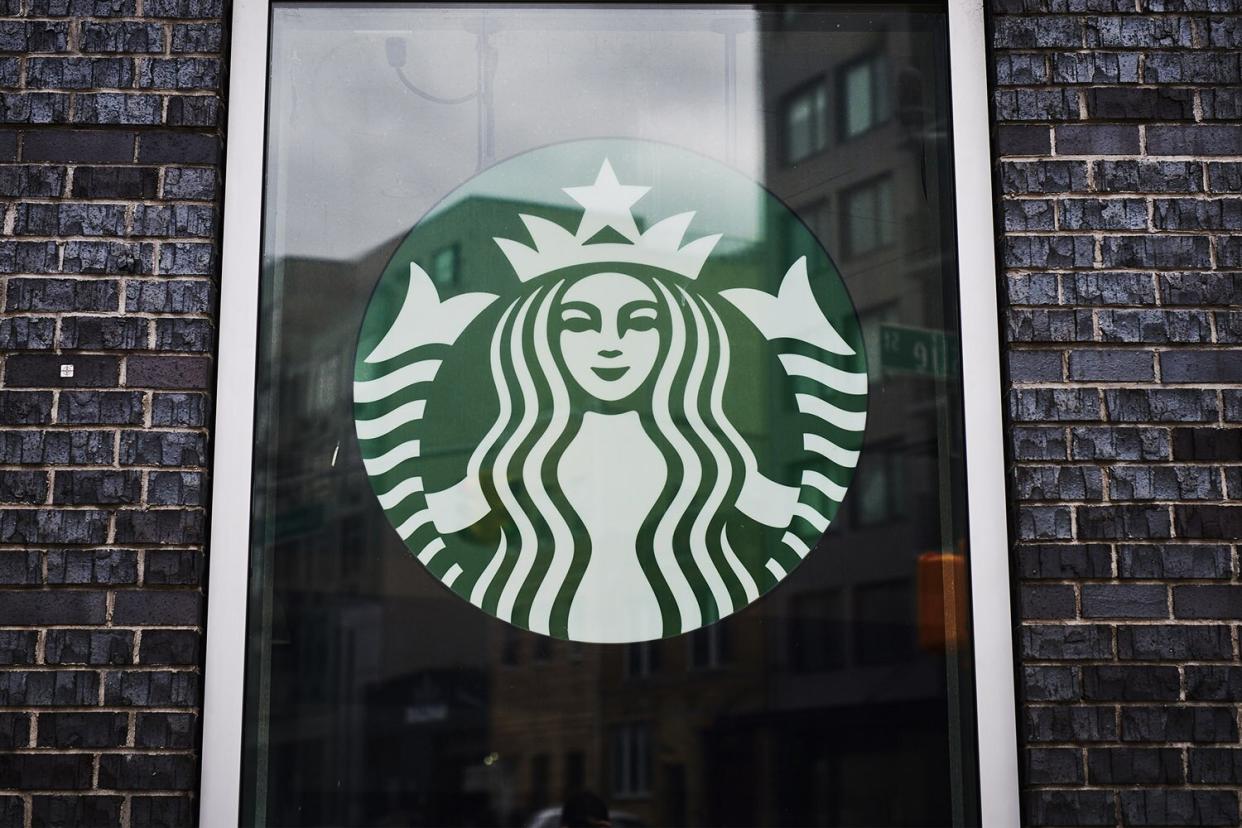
(859, 98)
(589, 458)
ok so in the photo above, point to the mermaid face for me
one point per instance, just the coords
(608, 334)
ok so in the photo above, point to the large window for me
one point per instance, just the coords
(630, 759)
(863, 86)
(568, 453)
(867, 214)
(806, 122)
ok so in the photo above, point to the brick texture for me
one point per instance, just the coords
(1119, 164)
(110, 142)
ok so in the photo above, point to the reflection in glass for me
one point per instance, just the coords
(376, 697)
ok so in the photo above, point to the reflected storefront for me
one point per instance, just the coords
(808, 676)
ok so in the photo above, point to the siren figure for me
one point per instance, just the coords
(612, 465)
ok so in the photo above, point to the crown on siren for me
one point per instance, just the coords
(607, 203)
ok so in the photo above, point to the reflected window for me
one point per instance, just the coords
(806, 122)
(444, 266)
(884, 622)
(642, 659)
(863, 91)
(509, 646)
(819, 632)
(630, 757)
(875, 495)
(575, 771)
(873, 321)
(540, 776)
(709, 647)
(817, 218)
(868, 223)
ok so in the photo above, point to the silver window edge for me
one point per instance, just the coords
(982, 401)
(229, 551)
(229, 538)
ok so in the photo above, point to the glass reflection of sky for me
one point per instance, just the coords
(339, 98)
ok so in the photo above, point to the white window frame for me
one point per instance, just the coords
(235, 397)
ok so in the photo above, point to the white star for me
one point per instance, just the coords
(607, 204)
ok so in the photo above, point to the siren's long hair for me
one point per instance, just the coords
(682, 546)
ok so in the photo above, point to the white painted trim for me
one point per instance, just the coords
(229, 551)
(982, 398)
(234, 425)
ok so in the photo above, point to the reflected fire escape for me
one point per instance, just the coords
(484, 84)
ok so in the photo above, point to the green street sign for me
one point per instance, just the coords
(919, 351)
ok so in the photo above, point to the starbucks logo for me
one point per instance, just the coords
(610, 391)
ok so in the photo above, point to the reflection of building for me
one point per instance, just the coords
(362, 696)
(851, 697)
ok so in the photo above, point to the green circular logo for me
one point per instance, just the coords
(610, 391)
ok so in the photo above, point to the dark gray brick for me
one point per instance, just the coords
(1124, 601)
(1174, 643)
(133, 37)
(1069, 807)
(1164, 483)
(1208, 601)
(18, 333)
(1160, 405)
(25, 407)
(1111, 366)
(1102, 214)
(1046, 601)
(161, 688)
(1130, 683)
(1050, 683)
(1215, 766)
(1123, 522)
(1038, 443)
(1194, 140)
(60, 295)
(105, 333)
(1045, 523)
(38, 526)
(1071, 724)
(1061, 561)
(94, 810)
(1164, 252)
(1165, 562)
(1149, 176)
(1135, 766)
(164, 526)
(83, 487)
(1054, 642)
(1178, 724)
(149, 772)
(116, 567)
(1097, 139)
(1119, 103)
(1054, 766)
(1035, 366)
(100, 407)
(90, 646)
(1102, 288)
(179, 372)
(1179, 807)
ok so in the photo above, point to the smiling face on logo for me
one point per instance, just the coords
(608, 334)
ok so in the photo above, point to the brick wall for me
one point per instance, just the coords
(1120, 171)
(109, 179)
